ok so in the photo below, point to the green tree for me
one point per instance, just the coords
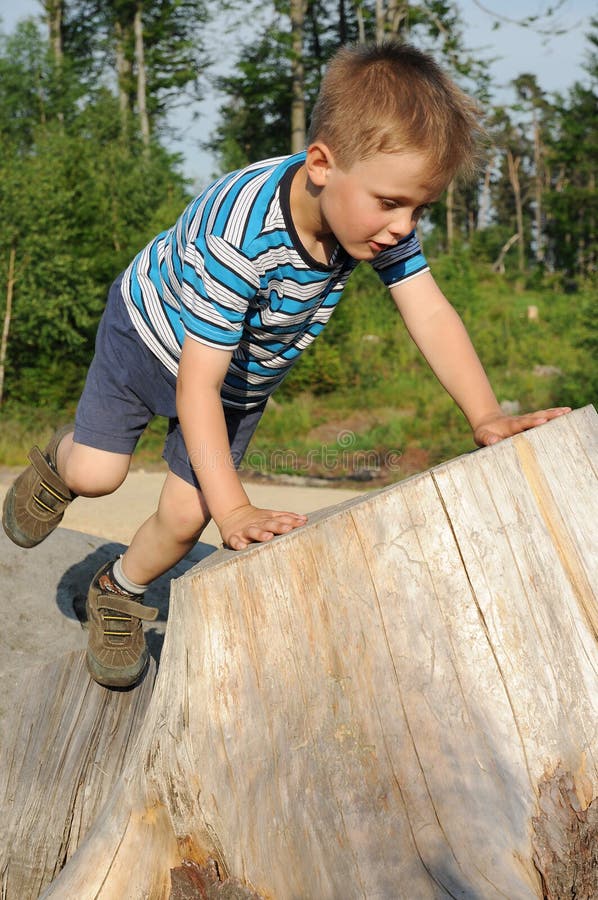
(260, 94)
(156, 52)
(76, 202)
(532, 102)
(571, 200)
(511, 190)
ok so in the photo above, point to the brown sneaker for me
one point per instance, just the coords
(35, 503)
(116, 652)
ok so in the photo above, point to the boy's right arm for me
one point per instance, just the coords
(201, 372)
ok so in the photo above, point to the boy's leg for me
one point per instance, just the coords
(169, 534)
(35, 504)
(117, 654)
(90, 472)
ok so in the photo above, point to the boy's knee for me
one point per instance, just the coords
(92, 484)
(187, 528)
(95, 473)
(184, 524)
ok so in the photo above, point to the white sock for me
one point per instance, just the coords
(125, 583)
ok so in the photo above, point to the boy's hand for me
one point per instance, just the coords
(249, 524)
(493, 430)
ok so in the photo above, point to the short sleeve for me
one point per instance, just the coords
(218, 283)
(401, 262)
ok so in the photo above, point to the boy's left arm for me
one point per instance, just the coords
(438, 331)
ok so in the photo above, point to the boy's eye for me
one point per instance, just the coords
(420, 211)
(389, 205)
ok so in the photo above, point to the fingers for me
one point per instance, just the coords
(251, 525)
(507, 426)
(554, 412)
(531, 420)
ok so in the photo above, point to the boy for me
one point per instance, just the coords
(210, 316)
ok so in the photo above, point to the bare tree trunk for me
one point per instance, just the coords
(538, 179)
(390, 17)
(360, 22)
(141, 77)
(123, 73)
(484, 210)
(342, 22)
(298, 77)
(7, 317)
(513, 163)
(54, 11)
(450, 216)
(380, 19)
(499, 264)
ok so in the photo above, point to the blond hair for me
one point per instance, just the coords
(391, 97)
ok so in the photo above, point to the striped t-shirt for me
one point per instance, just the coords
(233, 274)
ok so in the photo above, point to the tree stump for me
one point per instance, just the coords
(399, 700)
(61, 757)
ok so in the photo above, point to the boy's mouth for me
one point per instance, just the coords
(377, 247)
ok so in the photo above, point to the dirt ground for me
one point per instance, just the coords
(118, 516)
(40, 588)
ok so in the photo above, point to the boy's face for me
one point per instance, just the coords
(375, 202)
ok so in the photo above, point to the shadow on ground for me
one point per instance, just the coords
(43, 589)
(72, 588)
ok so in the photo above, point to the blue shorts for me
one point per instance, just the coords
(127, 386)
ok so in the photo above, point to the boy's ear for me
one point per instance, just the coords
(318, 162)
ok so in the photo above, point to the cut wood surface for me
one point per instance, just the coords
(61, 759)
(399, 700)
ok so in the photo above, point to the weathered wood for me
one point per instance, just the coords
(373, 705)
(62, 753)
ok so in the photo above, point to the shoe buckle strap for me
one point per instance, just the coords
(51, 480)
(128, 607)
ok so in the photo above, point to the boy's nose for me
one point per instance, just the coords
(402, 224)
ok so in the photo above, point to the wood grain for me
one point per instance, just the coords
(372, 706)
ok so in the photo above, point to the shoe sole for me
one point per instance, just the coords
(9, 521)
(116, 678)
(10, 526)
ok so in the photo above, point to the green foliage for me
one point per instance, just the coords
(580, 383)
(572, 202)
(255, 118)
(79, 195)
(76, 203)
(96, 32)
(378, 368)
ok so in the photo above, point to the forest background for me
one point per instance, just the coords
(87, 177)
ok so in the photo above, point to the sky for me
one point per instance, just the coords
(556, 59)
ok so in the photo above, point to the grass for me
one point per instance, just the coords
(363, 404)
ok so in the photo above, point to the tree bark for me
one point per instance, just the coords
(10, 284)
(499, 264)
(386, 703)
(538, 187)
(123, 73)
(298, 77)
(54, 12)
(484, 209)
(450, 215)
(513, 163)
(144, 125)
(390, 17)
(64, 745)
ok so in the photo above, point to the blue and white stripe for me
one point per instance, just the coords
(231, 274)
